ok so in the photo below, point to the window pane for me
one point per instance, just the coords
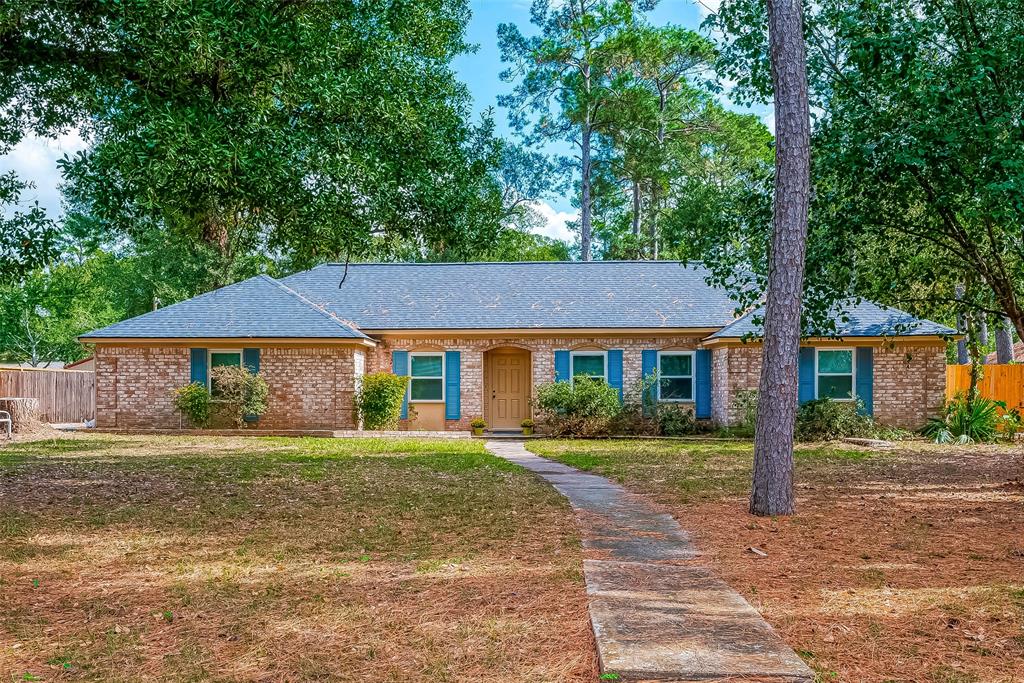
(220, 359)
(835, 361)
(676, 389)
(676, 365)
(592, 366)
(426, 390)
(839, 386)
(426, 366)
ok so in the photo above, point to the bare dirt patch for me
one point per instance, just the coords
(904, 565)
(126, 558)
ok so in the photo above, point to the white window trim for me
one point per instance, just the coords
(852, 373)
(422, 354)
(209, 363)
(573, 354)
(692, 376)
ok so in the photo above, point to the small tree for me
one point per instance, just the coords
(193, 400)
(379, 400)
(239, 392)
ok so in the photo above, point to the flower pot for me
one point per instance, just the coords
(527, 431)
(478, 431)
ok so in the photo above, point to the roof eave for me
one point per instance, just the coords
(180, 341)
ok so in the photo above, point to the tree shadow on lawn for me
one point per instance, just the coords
(902, 565)
(273, 566)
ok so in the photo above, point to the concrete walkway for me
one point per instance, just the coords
(656, 614)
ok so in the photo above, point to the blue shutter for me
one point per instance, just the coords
(865, 377)
(702, 379)
(251, 360)
(400, 367)
(649, 368)
(562, 370)
(805, 389)
(615, 370)
(452, 396)
(198, 371)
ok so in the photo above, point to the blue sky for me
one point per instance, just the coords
(36, 160)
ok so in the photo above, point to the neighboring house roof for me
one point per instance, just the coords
(1018, 354)
(533, 295)
(87, 363)
(258, 307)
(863, 319)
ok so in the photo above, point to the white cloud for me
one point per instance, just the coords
(706, 7)
(34, 159)
(554, 222)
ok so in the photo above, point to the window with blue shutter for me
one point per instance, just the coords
(198, 372)
(251, 360)
(702, 379)
(649, 371)
(562, 361)
(615, 370)
(452, 391)
(805, 388)
(400, 367)
(866, 377)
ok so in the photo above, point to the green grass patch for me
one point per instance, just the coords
(686, 470)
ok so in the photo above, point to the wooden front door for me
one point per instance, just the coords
(508, 375)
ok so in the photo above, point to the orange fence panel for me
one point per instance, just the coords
(998, 383)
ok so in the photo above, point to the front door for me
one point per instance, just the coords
(509, 384)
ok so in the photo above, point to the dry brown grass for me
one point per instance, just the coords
(904, 566)
(201, 559)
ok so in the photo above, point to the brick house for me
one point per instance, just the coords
(478, 339)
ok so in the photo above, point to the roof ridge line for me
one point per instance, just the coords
(306, 302)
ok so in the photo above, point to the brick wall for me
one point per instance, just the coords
(909, 382)
(542, 351)
(310, 387)
(134, 384)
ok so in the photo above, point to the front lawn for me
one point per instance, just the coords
(900, 566)
(126, 558)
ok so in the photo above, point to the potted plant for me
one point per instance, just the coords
(478, 425)
(527, 426)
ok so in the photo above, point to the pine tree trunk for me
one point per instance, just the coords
(636, 211)
(585, 193)
(772, 491)
(1004, 342)
(982, 325)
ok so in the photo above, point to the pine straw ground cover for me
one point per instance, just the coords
(126, 558)
(904, 565)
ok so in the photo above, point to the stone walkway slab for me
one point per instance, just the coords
(656, 615)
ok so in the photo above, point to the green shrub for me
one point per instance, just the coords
(379, 400)
(824, 420)
(585, 407)
(676, 420)
(637, 416)
(238, 393)
(746, 401)
(193, 400)
(964, 421)
(478, 423)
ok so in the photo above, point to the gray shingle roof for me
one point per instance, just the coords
(863, 319)
(603, 294)
(411, 296)
(257, 307)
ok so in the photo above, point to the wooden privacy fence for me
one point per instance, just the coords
(998, 382)
(64, 395)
